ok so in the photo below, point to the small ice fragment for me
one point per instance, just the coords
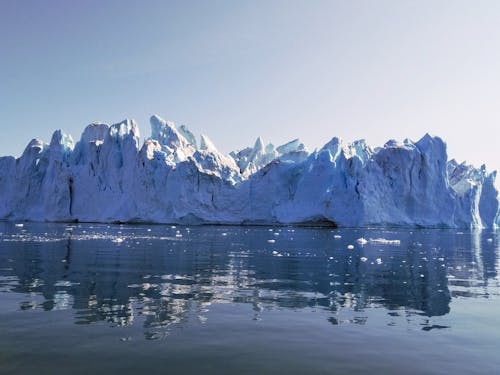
(118, 240)
(149, 229)
(490, 240)
(19, 225)
(385, 241)
(350, 247)
(173, 227)
(276, 233)
(378, 260)
(363, 259)
(224, 234)
(362, 241)
(441, 259)
(271, 241)
(337, 236)
(275, 252)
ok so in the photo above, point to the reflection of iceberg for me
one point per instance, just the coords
(159, 284)
(107, 176)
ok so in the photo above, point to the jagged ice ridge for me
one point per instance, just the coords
(108, 177)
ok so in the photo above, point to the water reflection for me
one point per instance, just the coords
(159, 275)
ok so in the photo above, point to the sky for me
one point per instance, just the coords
(234, 70)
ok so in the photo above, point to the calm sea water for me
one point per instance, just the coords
(92, 299)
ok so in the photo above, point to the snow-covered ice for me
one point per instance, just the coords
(107, 176)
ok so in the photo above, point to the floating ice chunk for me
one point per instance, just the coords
(490, 240)
(275, 252)
(271, 241)
(378, 261)
(118, 240)
(337, 236)
(350, 247)
(363, 259)
(362, 241)
(224, 234)
(385, 241)
(19, 225)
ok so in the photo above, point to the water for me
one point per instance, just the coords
(88, 298)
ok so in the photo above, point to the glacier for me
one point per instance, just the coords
(108, 176)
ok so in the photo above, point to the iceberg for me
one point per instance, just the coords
(108, 176)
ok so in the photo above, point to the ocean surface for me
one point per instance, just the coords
(160, 299)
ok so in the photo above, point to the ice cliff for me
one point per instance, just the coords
(108, 177)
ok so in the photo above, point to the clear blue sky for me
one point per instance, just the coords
(238, 69)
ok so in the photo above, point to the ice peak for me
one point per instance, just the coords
(207, 144)
(34, 146)
(292, 146)
(124, 128)
(259, 145)
(95, 132)
(188, 135)
(166, 133)
(61, 142)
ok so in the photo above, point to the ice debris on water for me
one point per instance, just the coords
(118, 240)
(384, 241)
(362, 241)
(271, 241)
(350, 247)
